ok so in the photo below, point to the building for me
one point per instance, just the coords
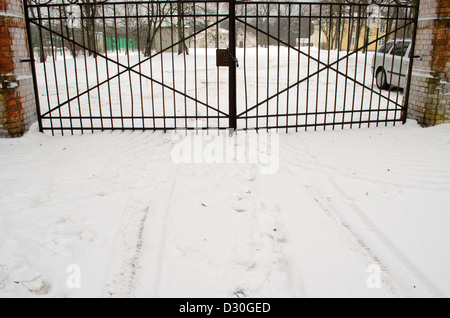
(166, 36)
(209, 38)
(349, 34)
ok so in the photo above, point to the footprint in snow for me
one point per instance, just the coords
(244, 175)
(3, 276)
(240, 203)
(239, 293)
(19, 272)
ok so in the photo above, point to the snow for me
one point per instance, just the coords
(114, 212)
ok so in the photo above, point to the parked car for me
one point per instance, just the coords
(390, 64)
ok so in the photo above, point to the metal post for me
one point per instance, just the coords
(232, 67)
(32, 62)
(411, 62)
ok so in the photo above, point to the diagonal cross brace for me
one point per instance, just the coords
(127, 68)
(326, 66)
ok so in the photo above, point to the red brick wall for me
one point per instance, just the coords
(430, 92)
(17, 108)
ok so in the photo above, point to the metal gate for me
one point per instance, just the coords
(160, 65)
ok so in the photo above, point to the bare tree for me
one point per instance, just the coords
(37, 38)
(182, 47)
(156, 18)
(89, 11)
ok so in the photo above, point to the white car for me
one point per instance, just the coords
(390, 65)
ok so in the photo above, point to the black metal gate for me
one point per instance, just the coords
(103, 65)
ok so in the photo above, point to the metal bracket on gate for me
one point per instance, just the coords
(225, 58)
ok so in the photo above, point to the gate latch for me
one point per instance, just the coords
(225, 58)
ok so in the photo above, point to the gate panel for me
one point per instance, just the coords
(309, 65)
(104, 65)
(129, 65)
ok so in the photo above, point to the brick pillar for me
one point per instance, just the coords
(17, 103)
(430, 84)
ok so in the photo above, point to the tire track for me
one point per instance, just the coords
(125, 261)
(399, 274)
(396, 264)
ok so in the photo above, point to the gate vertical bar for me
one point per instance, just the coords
(416, 6)
(232, 67)
(33, 66)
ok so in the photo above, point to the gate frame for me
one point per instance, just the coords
(232, 82)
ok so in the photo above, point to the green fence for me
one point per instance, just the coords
(113, 43)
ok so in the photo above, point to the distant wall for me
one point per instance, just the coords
(430, 87)
(17, 102)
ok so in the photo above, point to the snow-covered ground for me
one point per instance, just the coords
(361, 213)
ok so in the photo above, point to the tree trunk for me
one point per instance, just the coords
(148, 46)
(182, 47)
(89, 27)
(39, 44)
